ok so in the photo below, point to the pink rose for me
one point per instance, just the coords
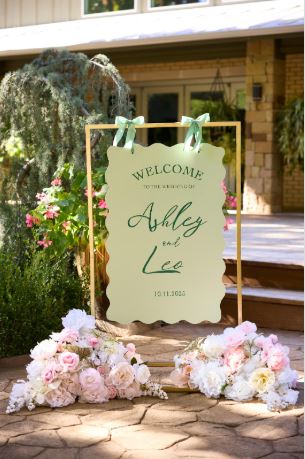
(103, 369)
(247, 327)
(131, 391)
(233, 359)
(277, 357)
(97, 396)
(49, 373)
(131, 347)
(122, 375)
(93, 341)
(68, 361)
(260, 341)
(234, 337)
(66, 336)
(59, 397)
(90, 380)
(273, 338)
(179, 378)
(112, 392)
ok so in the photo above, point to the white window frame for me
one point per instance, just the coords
(136, 9)
(147, 8)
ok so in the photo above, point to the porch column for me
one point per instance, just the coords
(263, 164)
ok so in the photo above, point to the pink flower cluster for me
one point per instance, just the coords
(51, 212)
(56, 182)
(45, 242)
(30, 221)
(82, 363)
(239, 364)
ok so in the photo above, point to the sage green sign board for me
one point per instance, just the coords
(165, 239)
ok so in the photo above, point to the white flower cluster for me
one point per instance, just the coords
(84, 364)
(239, 364)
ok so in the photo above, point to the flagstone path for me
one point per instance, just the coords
(184, 426)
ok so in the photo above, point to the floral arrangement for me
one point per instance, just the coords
(60, 220)
(81, 363)
(239, 364)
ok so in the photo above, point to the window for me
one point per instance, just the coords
(108, 6)
(157, 3)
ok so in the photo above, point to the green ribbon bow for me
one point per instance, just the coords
(124, 123)
(195, 130)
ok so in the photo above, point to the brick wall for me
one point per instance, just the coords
(293, 184)
(182, 70)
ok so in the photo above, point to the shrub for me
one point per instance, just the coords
(33, 298)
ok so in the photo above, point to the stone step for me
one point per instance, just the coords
(264, 274)
(267, 307)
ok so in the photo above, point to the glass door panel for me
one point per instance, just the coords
(163, 105)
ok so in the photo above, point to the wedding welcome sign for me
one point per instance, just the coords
(165, 228)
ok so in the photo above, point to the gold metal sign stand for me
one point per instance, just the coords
(234, 124)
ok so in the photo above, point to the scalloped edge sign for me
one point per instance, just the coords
(166, 237)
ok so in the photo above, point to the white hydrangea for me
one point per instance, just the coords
(240, 390)
(273, 401)
(35, 368)
(287, 376)
(78, 320)
(44, 350)
(291, 397)
(214, 346)
(209, 377)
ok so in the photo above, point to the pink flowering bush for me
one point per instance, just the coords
(82, 363)
(229, 204)
(239, 364)
(60, 220)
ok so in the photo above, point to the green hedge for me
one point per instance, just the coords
(33, 298)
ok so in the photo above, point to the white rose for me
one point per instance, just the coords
(240, 390)
(209, 378)
(122, 375)
(213, 346)
(44, 350)
(142, 373)
(262, 380)
(77, 319)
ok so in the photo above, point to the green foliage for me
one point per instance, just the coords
(33, 298)
(220, 110)
(60, 221)
(290, 133)
(44, 108)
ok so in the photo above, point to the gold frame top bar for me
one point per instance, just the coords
(237, 125)
(155, 125)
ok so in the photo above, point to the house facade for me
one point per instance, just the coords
(174, 54)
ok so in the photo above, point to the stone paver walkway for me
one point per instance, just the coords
(185, 426)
